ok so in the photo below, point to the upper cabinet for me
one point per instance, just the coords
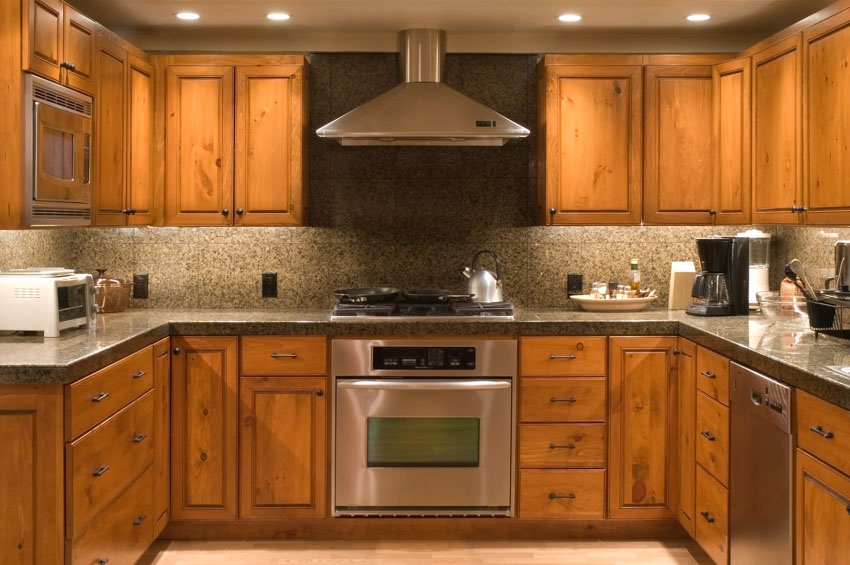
(234, 113)
(59, 43)
(590, 140)
(732, 115)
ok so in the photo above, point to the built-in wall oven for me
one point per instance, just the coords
(423, 427)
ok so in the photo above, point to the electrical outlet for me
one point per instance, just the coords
(575, 284)
(140, 286)
(269, 285)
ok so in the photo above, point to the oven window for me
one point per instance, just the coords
(57, 153)
(423, 442)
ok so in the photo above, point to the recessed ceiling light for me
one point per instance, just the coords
(188, 16)
(698, 17)
(570, 18)
(278, 16)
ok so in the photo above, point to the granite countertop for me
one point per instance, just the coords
(790, 354)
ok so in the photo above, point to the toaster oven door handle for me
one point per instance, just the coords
(456, 384)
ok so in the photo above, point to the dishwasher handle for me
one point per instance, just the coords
(424, 385)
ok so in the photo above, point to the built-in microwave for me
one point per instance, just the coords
(57, 153)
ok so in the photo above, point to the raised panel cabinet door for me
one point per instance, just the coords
(642, 441)
(42, 49)
(270, 119)
(822, 513)
(593, 152)
(110, 135)
(732, 89)
(199, 145)
(777, 123)
(826, 123)
(162, 433)
(204, 427)
(678, 148)
(686, 355)
(139, 199)
(282, 441)
(79, 50)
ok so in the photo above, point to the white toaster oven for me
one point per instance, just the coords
(49, 303)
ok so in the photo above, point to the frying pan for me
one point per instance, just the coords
(434, 296)
(366, 295)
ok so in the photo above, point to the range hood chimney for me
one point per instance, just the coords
(422, 110)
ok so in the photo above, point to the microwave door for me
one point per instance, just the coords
(62, 147)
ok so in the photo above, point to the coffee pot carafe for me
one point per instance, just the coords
(486, 286)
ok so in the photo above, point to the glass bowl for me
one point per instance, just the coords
(789, 310)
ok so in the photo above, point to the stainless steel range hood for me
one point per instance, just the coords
(422, 110)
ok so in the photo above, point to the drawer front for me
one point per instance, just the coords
(103, 462)
(713, 375)
(99, 395)
(576, 494)
(712, 437)
(122, 532)
(562, 400)
(712, 529)
(271, 355)
(562, 445)
(823, 429)
(562, 356)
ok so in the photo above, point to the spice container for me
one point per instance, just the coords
(111, 293)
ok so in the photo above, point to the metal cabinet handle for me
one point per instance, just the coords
(708, 436)
(680, 352)
(239, 211)
(555, 399)
(553, 496)
(103, 561)
(126, 211)
(556, 446)
(570, 356)
(72, 67)
(138, 521)
(708, 374)
(99, 397)
(707, 517)
(819, 430)
(101, 471)
(801, 209)
(176, 351)
(552, 211)
(225, 212)
(712, 212)
(284, 355)
(139, 438)
(320, 392)
(139, 374)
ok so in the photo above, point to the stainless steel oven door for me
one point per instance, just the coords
(431, 446)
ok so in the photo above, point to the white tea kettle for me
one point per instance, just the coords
(482, 283)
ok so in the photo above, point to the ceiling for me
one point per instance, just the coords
(473, 25)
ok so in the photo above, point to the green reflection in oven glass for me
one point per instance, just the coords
(423, 442)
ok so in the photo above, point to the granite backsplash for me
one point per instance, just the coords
(401, 216)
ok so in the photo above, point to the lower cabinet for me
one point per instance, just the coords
(576, 494)
(162, 433)
(712, 519)
(686, 353)
(823, 513)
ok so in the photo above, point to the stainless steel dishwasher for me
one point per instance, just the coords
(760, 498)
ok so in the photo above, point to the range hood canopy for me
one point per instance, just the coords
(422, 110)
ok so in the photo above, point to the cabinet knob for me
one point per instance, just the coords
(320, 392)
(239, 211)
(103, 561)
(801, 209)
(72, 67)
(133, 211)
(225, 212)
(138, 521)
(176, 351)
(126, 211)
(712, 212)
(794, 209)
(552, 211)
(64, 65)
(707, 517)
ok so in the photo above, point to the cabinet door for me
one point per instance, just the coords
(139, 195)
(777, 133)
(643, 445)
(269, 184)
(592, 145)
(827, 124)
(203, 435)
(199, 145)
(687, 353)
(282, 439)
(111, 135)
(162, 433)
(79, 50)
(822, 520)
(732, 141)
(678, 158)
(42, 49)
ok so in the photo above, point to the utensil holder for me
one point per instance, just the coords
(829, 319)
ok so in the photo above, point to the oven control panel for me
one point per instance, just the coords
(433, 358)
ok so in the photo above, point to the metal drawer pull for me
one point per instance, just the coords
(139, 374)
(708, 436)
(570, 399)
(708, 374)
(570, 356)
(138, 521)
(284, 355)
(556, 446)
(139, 438)
(553, 496)
(680, 352)
(101, 471)
(819, 430)
(99, 397)
(707, 517)
(103, 561)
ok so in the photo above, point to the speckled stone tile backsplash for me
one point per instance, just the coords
(814, 246)
(401, 216)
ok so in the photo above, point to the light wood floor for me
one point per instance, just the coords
(424, 553)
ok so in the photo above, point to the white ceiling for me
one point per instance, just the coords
(477, 25)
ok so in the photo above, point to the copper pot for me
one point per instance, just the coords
(111, 293)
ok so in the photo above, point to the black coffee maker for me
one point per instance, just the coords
(721, 288)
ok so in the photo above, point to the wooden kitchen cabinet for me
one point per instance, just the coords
(712, 519)
(162, 434)
(643, 438)
(686, 355)
(204, 428)
(732, 127)
(822, 514)
(590, 154)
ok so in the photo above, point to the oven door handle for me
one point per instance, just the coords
(456, 385)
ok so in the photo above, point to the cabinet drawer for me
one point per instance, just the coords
(562, 356)
(562, 400)
(823, 429)
(103, 462)
(712, 529)
(99, 395)
(271, 355)
(565, 494)
(712, 437)
(122, 532)
(562, 445)
(713, 375)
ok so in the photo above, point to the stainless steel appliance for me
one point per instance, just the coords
(46, 300)
(423, 427)
(841, 280)
(383, 302)
(58, 153)
(483, 285)
(721, 288)
(760, 499)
